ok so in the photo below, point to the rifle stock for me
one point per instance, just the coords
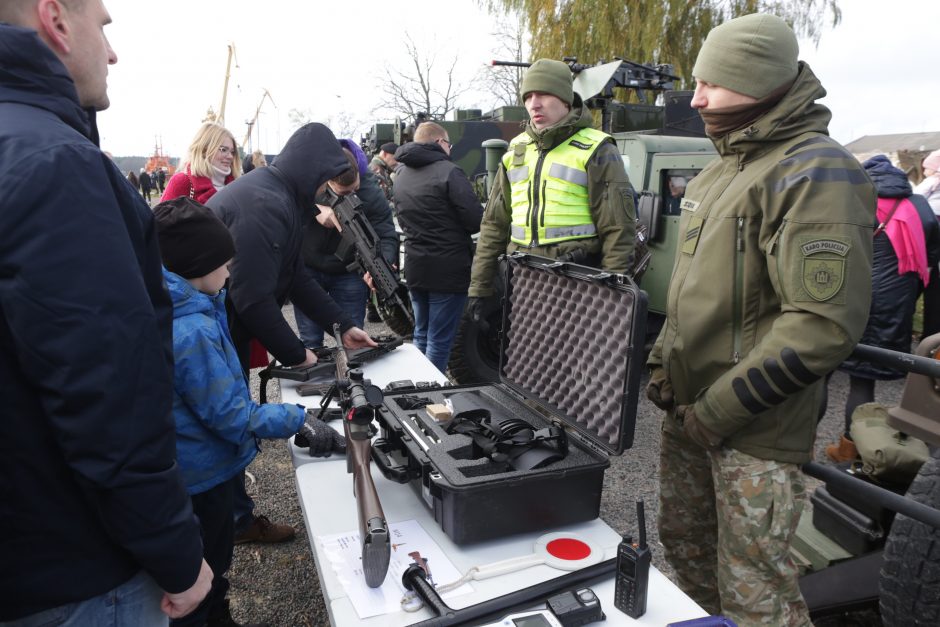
(359, 234)
(359, 399)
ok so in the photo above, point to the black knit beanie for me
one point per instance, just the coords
(193, 241)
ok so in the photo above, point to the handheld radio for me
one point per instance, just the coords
(633, 571)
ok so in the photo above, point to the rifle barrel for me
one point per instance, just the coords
(358, 413)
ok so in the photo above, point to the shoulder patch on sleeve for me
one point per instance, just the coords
(822, 270)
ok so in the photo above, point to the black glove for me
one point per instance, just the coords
(659, 390)
(321, 439)
(476, 314)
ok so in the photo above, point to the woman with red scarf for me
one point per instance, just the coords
(212, 163)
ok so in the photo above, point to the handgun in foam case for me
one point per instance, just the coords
(528, 453)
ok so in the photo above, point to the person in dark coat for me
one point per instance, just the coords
(265, 211)
(146, 184)
(901, 259)
(132, 178)
(438, 212)
(328, 261)
(96, 526)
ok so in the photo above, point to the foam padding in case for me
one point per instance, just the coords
(570, 344)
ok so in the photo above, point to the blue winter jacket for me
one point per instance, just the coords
(217, 423)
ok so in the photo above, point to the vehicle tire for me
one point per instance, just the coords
(394, 318)
(474, 357)
(910, 577)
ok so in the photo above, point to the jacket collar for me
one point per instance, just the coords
(548, 138)
(796, 113)
(31, 74)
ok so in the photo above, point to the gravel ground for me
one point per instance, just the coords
(278, 584)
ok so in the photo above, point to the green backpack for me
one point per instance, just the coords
(888, 455)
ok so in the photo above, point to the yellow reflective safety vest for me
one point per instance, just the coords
(549, 190)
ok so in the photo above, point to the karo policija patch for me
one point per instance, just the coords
(823, 267)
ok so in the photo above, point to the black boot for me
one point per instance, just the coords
(222, 617)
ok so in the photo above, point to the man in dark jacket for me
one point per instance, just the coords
(94, 517)
(438, 213)
(146, 184)
(328, 261)
(265, 211)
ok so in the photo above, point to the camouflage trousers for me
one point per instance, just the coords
(726, 520)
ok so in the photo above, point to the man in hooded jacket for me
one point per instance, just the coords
(769, 293)
(95, 523)
(265, 211)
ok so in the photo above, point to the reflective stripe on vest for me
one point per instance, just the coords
(548, 191)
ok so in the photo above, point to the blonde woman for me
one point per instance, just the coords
(212, 163)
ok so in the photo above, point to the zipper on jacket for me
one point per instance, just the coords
(537, 201)
(542, 214)
(737, 298)
(778, 243)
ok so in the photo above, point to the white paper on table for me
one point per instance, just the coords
(344, 553)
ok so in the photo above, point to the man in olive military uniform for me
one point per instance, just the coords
(561, 189)
(382, 166)
(769, 293)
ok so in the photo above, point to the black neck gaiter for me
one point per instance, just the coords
(720, 122)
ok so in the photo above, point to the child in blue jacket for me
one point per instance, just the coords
(217, 422)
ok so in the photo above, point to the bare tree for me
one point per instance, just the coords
(342, 123)
(503, 82)
(424, 87)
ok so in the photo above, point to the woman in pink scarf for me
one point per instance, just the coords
(905, 244)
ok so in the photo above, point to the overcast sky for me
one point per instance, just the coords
(322, 58)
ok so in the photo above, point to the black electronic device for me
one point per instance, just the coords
(631, 583)
(574, 608)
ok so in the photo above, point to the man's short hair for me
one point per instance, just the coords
(430, 132)
(349, 175)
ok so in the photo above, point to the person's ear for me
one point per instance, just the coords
(54, 26)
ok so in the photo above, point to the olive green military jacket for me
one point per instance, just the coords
(611, 200)
(772, 281)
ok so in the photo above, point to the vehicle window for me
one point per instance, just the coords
(674, 183)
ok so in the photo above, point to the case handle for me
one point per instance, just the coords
(390, 470)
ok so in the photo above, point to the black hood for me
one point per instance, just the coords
(311, 157)
(415, 155)
(31, 74)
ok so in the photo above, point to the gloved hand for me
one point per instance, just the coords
(659, 390)
(476, 314)
(695, 430)
(321, 439)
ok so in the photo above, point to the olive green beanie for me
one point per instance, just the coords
(551, 77)
(752, 55)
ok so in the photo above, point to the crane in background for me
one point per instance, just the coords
(211, 115)
(251, 124)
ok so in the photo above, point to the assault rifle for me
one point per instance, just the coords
(359, 399)
(359, 235)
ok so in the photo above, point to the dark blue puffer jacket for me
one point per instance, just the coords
(217, 423)
(90, 492)
(893, 295)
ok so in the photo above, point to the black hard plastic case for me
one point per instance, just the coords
(571, 356)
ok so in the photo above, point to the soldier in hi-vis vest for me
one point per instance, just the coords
(561, 188)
